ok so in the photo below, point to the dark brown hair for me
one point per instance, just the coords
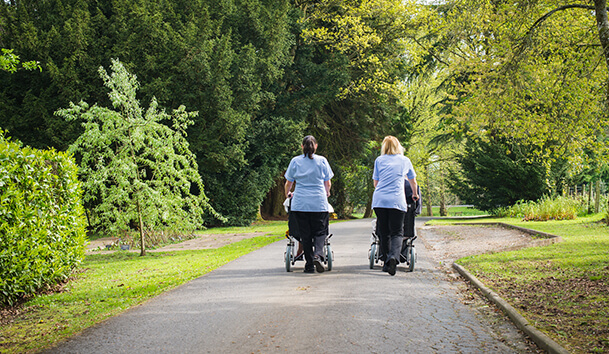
(308, 146)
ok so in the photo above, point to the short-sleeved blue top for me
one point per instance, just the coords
(390, 172)
(309, 175)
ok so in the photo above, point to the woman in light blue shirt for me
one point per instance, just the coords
(389, 198)
(311, 175)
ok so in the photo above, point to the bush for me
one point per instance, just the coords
(42, 225)
(546, 208)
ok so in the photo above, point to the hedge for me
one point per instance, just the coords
(42, 223)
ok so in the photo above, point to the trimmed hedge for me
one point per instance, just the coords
(42, 223)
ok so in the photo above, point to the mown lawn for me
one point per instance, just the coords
(454, 211)
(562, 289)
(108, 284)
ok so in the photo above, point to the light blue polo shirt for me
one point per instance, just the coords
(390, 172)
(309, 175)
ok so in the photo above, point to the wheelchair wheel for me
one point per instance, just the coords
(329, 256)
(411, 258)
(372, 255)
(288, 258)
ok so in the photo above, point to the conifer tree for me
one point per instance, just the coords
(136, 170)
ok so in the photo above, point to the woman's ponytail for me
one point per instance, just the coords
(308, 146)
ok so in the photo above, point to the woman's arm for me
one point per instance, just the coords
(327, 185)
(413, 185)
(288, 187)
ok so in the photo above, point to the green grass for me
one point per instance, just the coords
(562, 289)
(454, 211)
(109, 284)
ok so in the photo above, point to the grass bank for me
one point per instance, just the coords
(562, 289)
(454, 211)
(108, 284)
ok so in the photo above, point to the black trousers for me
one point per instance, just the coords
(390, 228)
(312, 230)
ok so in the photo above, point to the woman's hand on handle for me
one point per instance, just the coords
(415, 188)
(287, 188)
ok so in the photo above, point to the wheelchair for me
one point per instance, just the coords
(290, 256)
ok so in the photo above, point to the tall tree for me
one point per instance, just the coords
(220, 58)
(348, 68)
(540, 82)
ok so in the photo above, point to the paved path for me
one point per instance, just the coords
(253, 305)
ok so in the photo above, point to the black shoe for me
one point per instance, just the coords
(392, 265)
(309, 270)
(318, 265)
(385, 268)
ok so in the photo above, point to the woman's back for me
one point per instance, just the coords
(309, 175)
(390, 171)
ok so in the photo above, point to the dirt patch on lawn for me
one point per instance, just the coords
(447, 243)
(199, 242)
(208, 242)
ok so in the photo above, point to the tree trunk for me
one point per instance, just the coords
(602, 23)
(590, 198)
(443, 210)
(340, 197)
(368, 212)
(141, 227)
(272, 207)
(428, 194)
(597, 196)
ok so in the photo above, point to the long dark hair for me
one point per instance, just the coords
(308, 146)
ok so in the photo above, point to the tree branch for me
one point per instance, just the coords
(522, 47)
(561, 8)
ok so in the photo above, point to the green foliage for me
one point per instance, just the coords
(546, 208)
(497, 174)
(224, 59)
(42, 235)
(134, 167)
(10, 62)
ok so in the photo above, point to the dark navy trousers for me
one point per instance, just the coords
(390, 228)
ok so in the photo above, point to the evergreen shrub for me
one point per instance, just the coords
(42, 224)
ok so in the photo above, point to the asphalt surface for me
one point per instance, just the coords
(253, 305)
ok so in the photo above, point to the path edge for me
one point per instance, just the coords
(542, 340)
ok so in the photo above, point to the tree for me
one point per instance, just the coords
(498, 173)
(536, 83)
(349, 64)
(136, 170)
(222, 58)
